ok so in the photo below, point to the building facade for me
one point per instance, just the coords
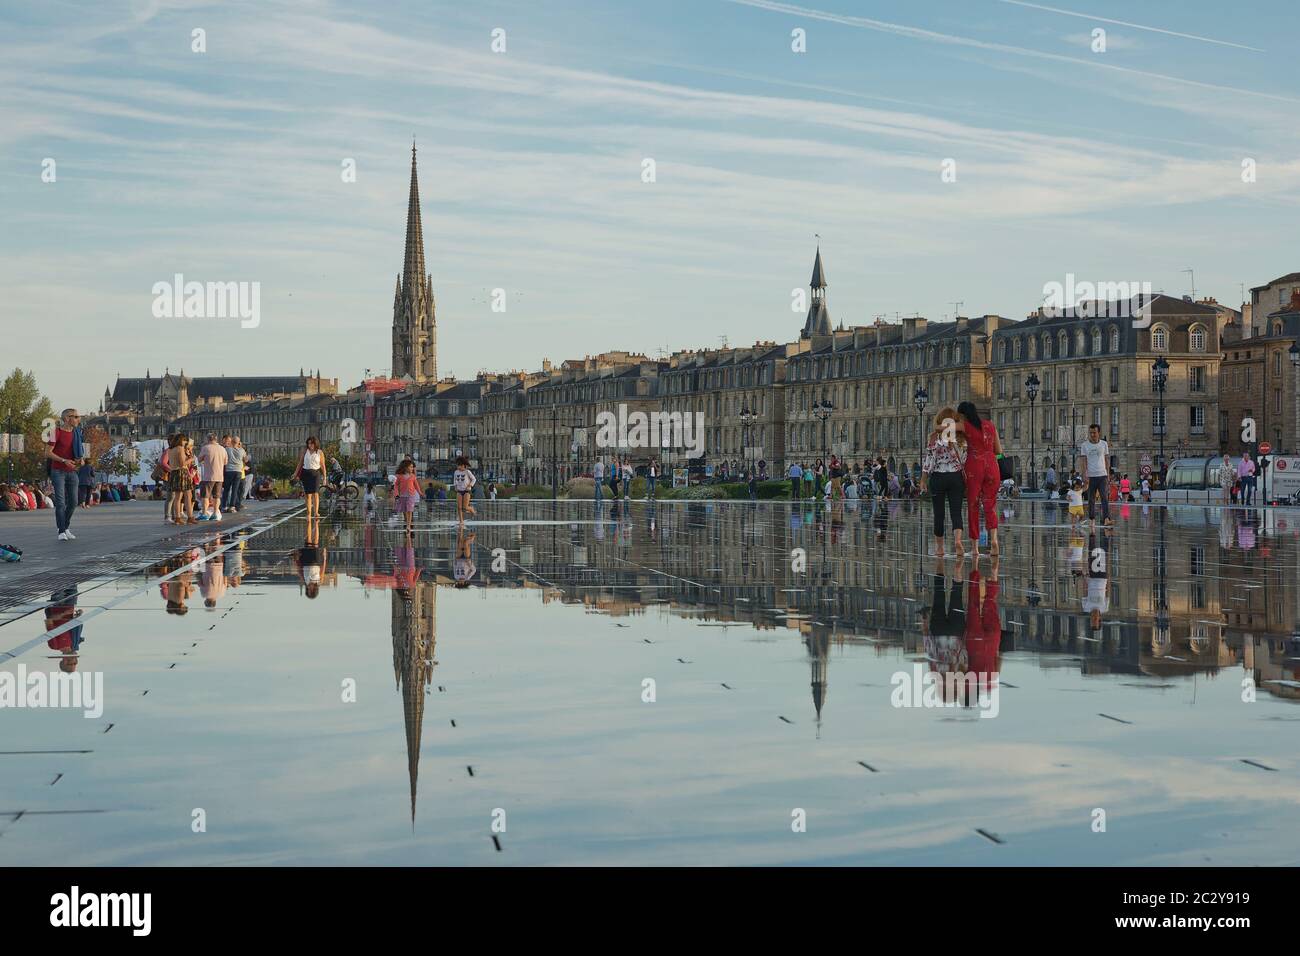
(1095, 366)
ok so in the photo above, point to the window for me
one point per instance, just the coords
(1114, 421)
(1016, 349)
(1277, 401)
(1002, 351)
(1096, 341)
(1196, 378)
(1114, 379)
(1063, 345)
(1015, 424)
(1002, 386)
(1198, 338)
(1047, 345)
(1096, 381)
(1159, 338)
(1277, 362)
(1114, 339)
(1078, 342)
(1198, 419)
(1158, 415)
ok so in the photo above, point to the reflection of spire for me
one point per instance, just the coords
(414, 624)
(819, 647)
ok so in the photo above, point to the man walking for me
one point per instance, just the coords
(598, 477)
(212, 466)
(796, 481)
(232, 479)
(66, 452)
(628, 475)
(1094, 461)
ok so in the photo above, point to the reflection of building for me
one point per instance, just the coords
(818, 642)
(414, 624)
(867, 579)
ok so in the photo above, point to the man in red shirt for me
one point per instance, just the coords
(66, 455)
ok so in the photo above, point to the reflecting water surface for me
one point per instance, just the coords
(673, 683)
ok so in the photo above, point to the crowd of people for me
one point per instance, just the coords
(840, 479)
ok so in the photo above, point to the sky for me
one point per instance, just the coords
(226, 165)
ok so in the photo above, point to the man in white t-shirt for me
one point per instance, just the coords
(1094, 462)
(598, 475)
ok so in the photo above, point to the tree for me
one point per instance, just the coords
(277, 465)
(25, 411)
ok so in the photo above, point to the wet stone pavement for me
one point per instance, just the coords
(682, 683)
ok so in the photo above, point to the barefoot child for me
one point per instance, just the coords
(1076, 502)
(407, 488)
(463, 481)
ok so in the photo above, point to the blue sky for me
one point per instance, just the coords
(225, 166)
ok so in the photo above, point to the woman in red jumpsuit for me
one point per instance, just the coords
(983, 446)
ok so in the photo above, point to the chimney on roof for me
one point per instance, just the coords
(1294, 305)
(912, 327)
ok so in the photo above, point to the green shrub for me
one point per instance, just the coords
(524, 491)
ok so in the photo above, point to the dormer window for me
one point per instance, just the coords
(1197, 338)
(1159, 338)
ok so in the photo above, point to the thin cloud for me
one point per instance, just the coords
(1135, 26)
(917, 33)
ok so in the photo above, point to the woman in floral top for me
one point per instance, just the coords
(941, 474)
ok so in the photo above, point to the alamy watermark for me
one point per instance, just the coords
(208, 300)
(1095, 300)
(923, 688)
(37, 689)
(624, 429)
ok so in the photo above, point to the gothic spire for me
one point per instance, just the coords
(413, 264)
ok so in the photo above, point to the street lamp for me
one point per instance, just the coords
(1160, 376)
(747, 421)
(823, 411)
(921, 398)
(1031, 389)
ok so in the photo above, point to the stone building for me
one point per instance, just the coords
(142, 408)
(1257, 382)
(1094, 364)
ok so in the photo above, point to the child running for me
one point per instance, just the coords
(463, 481)
(407, 487)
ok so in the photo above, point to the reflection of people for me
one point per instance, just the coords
(311, 559)
(942, 625)
(463, 568)
(61, 610)
(405, 570)
(983, 626)
(1096, 600)
(212, 579)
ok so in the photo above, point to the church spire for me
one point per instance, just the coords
(415, 333)
(413, 264)
(819, 317)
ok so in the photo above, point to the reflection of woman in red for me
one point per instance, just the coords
(983, 446)
(983, 626)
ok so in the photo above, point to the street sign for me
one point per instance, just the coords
(1265, 448)
(1146, 471)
